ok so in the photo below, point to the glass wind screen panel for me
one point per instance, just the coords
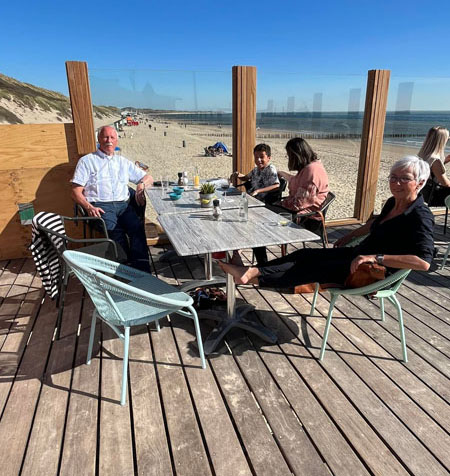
(166, 119)
(414, 106)
(328, 112)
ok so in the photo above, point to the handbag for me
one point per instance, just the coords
(365, 274)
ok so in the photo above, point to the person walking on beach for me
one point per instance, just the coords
(432, 151)
(100, 186)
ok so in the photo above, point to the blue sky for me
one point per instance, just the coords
(306, 50)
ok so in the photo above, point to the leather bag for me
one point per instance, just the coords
(365, 274)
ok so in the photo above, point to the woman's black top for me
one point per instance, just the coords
(410, 233)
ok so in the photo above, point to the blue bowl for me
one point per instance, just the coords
(175, 196)
(178, 190)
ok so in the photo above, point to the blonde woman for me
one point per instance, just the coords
(432, 151)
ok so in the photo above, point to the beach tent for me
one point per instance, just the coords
(221, 145)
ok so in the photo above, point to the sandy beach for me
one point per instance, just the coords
(165, 156)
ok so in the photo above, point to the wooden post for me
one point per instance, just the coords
(244, 117)
(371, 142)
(80, 100)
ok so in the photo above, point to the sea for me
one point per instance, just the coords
(401, 127)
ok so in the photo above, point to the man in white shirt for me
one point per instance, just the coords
(100, 185)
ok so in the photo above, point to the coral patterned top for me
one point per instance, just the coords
(308, 189)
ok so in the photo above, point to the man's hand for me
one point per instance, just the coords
(140, 197)
(254, 193)
(360, 260)
(95, 211)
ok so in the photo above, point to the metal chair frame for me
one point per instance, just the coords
(142, 299)
(62, 246)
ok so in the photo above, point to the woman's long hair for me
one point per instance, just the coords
(434, 143)
(299, 154)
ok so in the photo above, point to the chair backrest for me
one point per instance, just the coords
(447, 201)
(327, 202)
(105, 290)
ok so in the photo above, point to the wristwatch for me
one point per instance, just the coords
(379, 259)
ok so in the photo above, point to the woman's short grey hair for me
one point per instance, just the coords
(419, 168)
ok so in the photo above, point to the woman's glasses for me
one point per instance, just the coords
(394, 178)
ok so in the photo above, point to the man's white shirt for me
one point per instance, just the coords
(105, 178)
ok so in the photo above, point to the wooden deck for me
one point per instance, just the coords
(257, 409)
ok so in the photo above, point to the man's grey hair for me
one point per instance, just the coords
(105, 127)
(419, 168)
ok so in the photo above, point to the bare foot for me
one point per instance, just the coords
(236, 259)
(241, 274)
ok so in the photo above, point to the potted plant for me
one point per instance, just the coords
(207, 194)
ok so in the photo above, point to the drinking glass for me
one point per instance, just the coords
(225, 187)
(284, 219)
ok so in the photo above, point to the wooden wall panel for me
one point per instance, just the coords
(37, 164)
(22, 147)
(81, 102)
(371, 142)
(244, 117)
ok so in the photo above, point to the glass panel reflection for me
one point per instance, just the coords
(414, 106)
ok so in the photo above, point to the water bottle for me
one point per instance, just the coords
(243, 207)
(185, 179)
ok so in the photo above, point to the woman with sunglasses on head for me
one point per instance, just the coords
(432, 151)
(401, 237)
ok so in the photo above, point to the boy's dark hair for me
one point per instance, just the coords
(299, 154)
(263, 148)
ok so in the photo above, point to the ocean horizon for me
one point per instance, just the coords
(401, 127)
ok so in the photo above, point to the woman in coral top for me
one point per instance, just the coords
(308, 189)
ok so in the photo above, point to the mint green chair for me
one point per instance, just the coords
(385, 288)
(143, 298)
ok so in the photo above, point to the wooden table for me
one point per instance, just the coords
(199, 233)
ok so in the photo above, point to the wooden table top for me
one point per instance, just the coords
(199, 233)
(190, 201)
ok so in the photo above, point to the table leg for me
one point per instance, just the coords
(209, 278)
(235, 317)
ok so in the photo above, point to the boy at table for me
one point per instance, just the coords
(263, 178)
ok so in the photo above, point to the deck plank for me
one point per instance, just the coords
(189, 453)
(299, 451)
(44, 446)
(115, 442)
(24, 394)
(80, 438)
(152, 450)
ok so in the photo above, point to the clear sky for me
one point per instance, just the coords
(316, 52)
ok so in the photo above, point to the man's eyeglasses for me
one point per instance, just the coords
(394, 179)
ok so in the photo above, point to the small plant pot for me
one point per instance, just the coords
(206, 200)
